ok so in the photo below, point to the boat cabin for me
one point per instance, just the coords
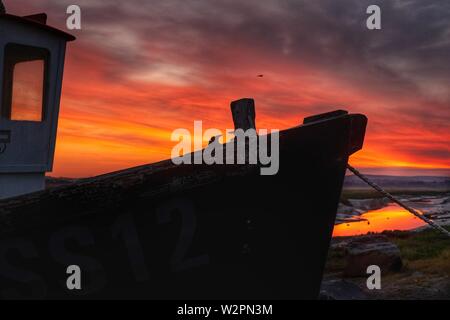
(31, 71)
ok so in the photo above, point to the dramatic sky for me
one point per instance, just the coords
(142, 68)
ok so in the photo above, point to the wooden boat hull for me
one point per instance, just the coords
(186, 232)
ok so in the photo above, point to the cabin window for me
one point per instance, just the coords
(25, 83)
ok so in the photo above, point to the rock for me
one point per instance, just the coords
(364, 251)
(337, 289)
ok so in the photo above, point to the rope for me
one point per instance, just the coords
(395, 200)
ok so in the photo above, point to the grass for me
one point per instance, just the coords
(426, 251)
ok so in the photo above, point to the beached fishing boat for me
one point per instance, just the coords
(189, 231)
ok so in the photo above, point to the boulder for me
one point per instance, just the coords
(338, 289)
(361, 252)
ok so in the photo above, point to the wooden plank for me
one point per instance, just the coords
(244, 114)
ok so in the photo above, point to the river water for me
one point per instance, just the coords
(393, 217)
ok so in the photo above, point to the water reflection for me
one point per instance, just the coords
(391, 217)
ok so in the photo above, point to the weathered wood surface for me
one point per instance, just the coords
(244, 114)
(220, 231)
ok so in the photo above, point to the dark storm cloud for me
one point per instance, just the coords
(410, 53)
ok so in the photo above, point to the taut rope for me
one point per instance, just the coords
(395, 200)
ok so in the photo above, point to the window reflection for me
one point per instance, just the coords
(27, 91)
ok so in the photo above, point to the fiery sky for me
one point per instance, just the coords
(142, 68)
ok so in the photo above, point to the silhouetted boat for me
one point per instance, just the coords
(163, 231)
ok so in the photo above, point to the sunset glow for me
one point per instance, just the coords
(391, 217)
(138, 72)
(26, 102)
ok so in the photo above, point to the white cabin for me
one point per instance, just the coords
(31, 71)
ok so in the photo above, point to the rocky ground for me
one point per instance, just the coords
(414, 265)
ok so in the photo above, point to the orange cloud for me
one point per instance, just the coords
(130, 82)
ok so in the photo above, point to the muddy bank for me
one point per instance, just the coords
(435, 206)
